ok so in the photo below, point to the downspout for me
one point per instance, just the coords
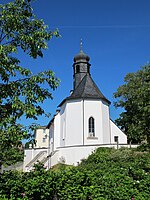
(83, 121)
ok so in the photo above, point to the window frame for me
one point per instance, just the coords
(91, 126)
(44, 140)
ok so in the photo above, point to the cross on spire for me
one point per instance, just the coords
(81, 45)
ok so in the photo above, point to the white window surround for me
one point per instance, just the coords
(91, 127)
(92, 138)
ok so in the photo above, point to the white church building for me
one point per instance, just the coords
(81, 124)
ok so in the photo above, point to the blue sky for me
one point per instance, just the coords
(115, 34)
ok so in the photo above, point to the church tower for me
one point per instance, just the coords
(81, 66)
(84, 115)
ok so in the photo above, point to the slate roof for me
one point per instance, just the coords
(87, 89)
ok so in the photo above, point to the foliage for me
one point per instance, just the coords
(133, 96)
(106, 174)
(20, 90)
(144, 147)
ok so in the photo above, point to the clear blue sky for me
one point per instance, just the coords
(116, 36)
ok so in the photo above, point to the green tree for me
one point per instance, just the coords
(134, 97)
(21, 92)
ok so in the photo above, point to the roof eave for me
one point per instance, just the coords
(72, 98)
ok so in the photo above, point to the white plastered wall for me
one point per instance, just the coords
(62, 124)
(115, 131)
(74, 155)
(56, 136)
(106, 124)
(40, 134)
(74, 116)
(93, 108)
(30, 154)
(51, 135)
(73, 123)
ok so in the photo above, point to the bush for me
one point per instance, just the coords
(144, 147)
(106, 174)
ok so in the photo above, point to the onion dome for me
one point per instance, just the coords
(81, 56)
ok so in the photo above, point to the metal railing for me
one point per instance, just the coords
(36, 158)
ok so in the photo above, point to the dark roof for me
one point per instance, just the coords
(86, 89)
(81, 56)
(52, 120)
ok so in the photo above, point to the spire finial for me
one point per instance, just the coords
(81, 45)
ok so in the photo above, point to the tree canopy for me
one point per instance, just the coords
(134, 97)
(21, 91)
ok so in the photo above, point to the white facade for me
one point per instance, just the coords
(81, 125)
(116, 132)
(42, 137)
(73, 141)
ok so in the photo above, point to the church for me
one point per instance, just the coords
(81, 124)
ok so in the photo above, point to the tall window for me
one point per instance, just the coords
(91, 127)
(77, 68)
(88, 69)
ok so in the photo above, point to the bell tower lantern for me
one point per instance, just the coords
(81, 66)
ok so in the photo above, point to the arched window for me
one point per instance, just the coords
(77, 68)
(88, 69)
(91, 127)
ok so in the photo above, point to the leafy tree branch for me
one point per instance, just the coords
(21, 91)
(134, 97)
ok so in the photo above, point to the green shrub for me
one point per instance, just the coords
(144, 147)
(107, 174)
